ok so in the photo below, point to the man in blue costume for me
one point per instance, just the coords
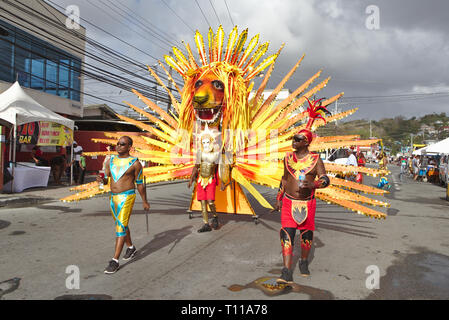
(125, 171)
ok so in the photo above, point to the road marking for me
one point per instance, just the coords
(396, 184)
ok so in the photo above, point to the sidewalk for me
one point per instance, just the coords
(50, 193)
(32, 196)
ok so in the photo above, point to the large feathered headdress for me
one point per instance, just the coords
(236, 65)
(315, 111)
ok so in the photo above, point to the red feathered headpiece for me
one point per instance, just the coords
(315, 111)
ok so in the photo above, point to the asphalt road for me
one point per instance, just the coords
(409, 250)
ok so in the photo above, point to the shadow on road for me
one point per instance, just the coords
(159, 241)
(63, 209)
(270, 288)
(423, 275)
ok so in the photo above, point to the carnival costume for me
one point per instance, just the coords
(251, 151)
(383, 182)
(299, 214)
(207, 180)
(122, 203)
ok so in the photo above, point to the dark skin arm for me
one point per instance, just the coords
(278, 205)
(193, 176)
(141, 188)
(319, 171)
(107, 174)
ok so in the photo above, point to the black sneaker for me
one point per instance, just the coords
(205, 228)
(112, 267)
(304, 268)
(214, 223)
(286, 276)
(130, 253)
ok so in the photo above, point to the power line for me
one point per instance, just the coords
(101, 29)
(162, 33)
(123, 87)
(79, 91)
(207, 21)
(88, 40)
(219, 22)
(99, 76)
(229, 13)
(126, 26)
(49, 11)
(106, 80)
(95, 44)
(178, 16)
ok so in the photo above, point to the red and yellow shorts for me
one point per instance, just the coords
(207, 193)
(298, 208)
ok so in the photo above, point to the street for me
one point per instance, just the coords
(409, 249)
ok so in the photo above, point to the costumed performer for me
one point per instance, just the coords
(205, 173)
(123, 172)
(296, 198)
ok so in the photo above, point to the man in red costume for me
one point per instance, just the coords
(296, 197)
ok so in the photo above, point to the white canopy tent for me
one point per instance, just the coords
(439, 147)
(419, 152)
(17, 108)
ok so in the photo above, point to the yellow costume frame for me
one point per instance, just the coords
(236, 64)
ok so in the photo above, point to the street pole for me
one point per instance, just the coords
(370, 130)
(336, 111)
(170, 72)
(155, 87)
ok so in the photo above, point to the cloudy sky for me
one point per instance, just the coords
(390, 57)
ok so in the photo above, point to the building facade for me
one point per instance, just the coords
(38, 50)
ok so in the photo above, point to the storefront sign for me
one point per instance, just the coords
(44, 133)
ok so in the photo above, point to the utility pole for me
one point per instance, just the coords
(370, 130)
(170, 86)
(336, 111)
(155, 87)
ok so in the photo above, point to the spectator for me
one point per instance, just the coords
(36, 155)
(82, 168)
(415, 167)
(77, 150)
(58, 166)
(361, 162)
(403, 168)
(352, 161)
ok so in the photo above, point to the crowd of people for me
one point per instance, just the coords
(424, 168)
(61, 164)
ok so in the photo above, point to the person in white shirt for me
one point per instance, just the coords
(77, 150)
(352, 161)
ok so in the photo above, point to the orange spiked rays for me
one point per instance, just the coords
(239, 58)
(256, 132)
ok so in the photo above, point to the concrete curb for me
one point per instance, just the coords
(16, 200)
(19, 201)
